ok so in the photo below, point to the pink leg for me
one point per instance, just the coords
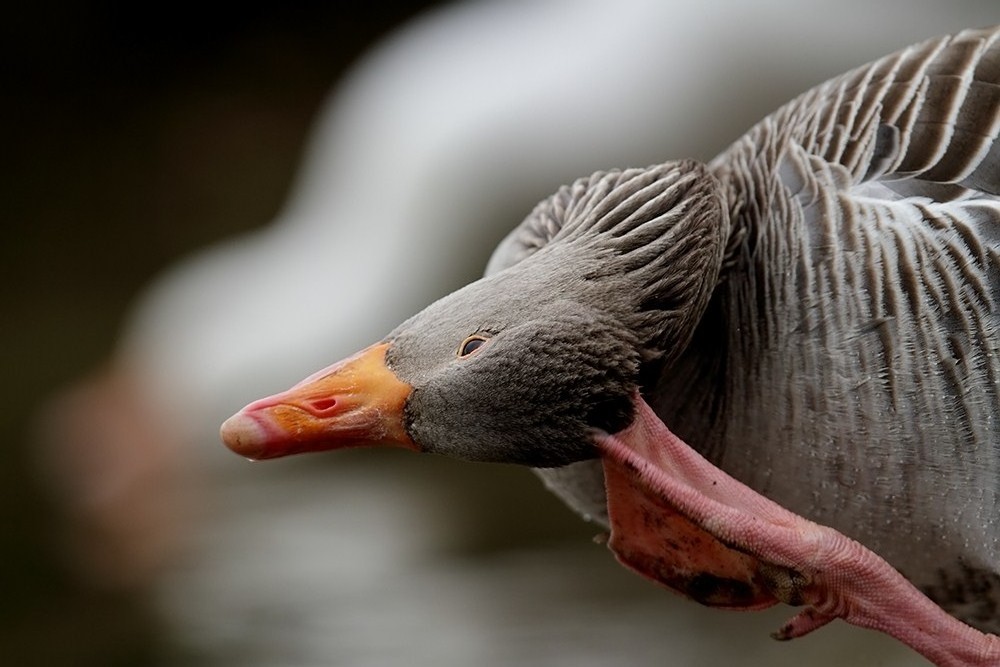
(797, 561)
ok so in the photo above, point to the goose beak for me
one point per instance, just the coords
(356, 402)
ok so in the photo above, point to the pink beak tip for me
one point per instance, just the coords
(244, 435)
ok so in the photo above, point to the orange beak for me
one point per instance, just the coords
(356, 402)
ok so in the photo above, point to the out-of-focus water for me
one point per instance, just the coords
(347, 569)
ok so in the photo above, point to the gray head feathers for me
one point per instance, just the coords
(615, 272)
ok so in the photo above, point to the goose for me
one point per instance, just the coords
(813, 311)
(470, 90)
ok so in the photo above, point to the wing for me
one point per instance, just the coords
(882, 185)
(885, 180)
(925, 119)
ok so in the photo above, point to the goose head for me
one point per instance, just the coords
(611, 275)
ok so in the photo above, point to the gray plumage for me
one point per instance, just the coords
(845, 364)
(614, 296)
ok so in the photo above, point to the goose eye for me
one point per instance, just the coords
(470, 345)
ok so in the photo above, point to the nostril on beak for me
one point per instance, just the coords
(323, 404)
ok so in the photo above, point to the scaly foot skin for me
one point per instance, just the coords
(684, 523)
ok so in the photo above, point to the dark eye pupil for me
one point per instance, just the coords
(471, 345)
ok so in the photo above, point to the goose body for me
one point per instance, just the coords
(813, 312)
(847, 365)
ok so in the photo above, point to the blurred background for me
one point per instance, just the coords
(202, 205)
